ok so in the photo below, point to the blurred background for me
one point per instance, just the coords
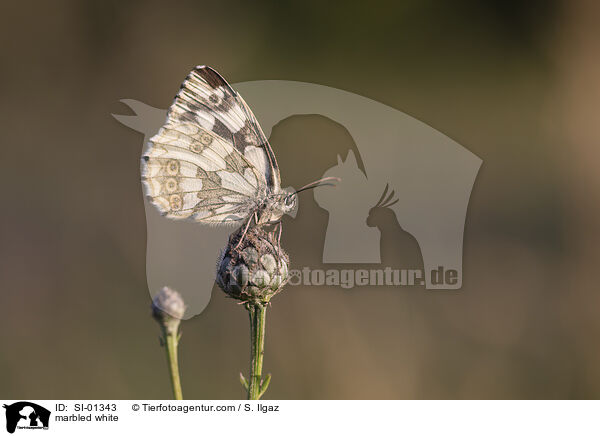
(514, 82)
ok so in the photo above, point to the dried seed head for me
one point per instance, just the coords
(168, 308)
(254, 271)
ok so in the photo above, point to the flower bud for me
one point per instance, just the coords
(255, 270)
(168, 308)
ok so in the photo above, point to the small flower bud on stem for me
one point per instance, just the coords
(168, 309)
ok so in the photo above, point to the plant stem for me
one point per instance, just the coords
(171, 340)
(258, 314)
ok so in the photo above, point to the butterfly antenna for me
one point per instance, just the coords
(325, 181)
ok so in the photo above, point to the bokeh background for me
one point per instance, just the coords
(514, 82)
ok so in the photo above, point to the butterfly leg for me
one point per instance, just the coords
(244, 232)
(279, 236)
(279, 228)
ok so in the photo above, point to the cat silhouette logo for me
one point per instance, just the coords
(26, 415)
(396, 167)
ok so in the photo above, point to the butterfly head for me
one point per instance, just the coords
(284, 203)
(289, 203)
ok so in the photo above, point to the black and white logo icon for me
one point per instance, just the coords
(26, 415)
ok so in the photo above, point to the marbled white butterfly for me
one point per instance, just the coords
(211, 161)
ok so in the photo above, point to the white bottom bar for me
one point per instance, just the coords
(312, 417)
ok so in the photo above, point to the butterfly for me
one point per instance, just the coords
(211, 161)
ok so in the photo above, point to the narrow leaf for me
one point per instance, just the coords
(264, 385)
(243, 381)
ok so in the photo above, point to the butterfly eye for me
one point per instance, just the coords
(289, 200)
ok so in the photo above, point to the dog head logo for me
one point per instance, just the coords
(26, 415)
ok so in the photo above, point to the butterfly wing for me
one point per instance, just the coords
(190, 173)
(210, 161)
(218, 107)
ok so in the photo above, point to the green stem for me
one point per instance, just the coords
(258, 314)
(171, 341)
